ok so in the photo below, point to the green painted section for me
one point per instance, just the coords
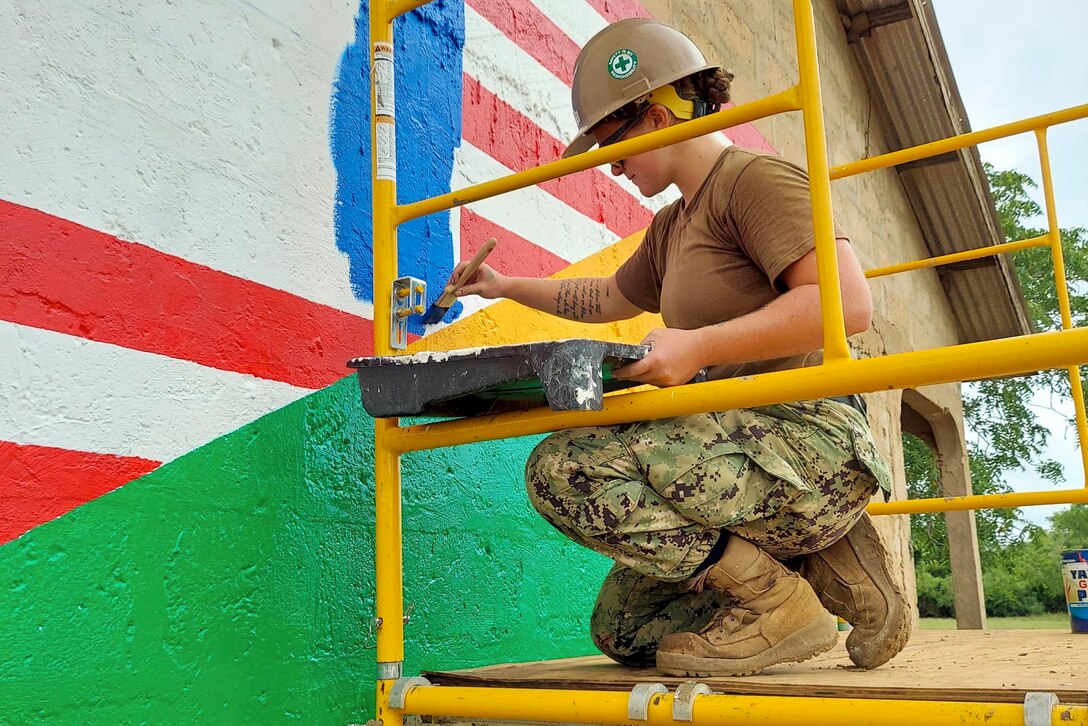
(235, 585)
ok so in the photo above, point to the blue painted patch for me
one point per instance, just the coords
(428, 45)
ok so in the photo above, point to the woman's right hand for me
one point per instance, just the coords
(485, 282)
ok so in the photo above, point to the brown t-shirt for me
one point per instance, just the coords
(720, 256)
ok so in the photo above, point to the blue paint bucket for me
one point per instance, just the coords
(1075, 579)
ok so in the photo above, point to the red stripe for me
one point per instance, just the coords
(613, 10)
(523, 23)
(40, 483)
(513, 255)
(748, 136)
(61, 276)
(490, 124)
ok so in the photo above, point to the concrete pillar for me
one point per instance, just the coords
(946, 435)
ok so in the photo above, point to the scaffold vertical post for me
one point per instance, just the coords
(1062, 284)
(387, 484)
(819, 179)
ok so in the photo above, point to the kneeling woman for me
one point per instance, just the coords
(699, 512)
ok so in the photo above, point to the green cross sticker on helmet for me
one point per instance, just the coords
(622, 63)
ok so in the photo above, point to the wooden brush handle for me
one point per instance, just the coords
(448, 298)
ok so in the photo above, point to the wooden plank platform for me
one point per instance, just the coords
(987, 666)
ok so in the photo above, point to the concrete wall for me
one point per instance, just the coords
(185, 217)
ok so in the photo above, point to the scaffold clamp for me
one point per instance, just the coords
(400, 689)
(638, 704)
(1037, 708)
(389, 670)
(408, 297)
(683, 703)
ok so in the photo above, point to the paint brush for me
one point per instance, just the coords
(447, 298)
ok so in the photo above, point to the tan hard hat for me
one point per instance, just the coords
(623, 63)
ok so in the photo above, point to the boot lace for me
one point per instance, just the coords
(730, 620)
(698, 583)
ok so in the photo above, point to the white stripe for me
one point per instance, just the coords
(530, 213)
(472, 305)
(502, 67)
(205, 137)
(577, 18)
(653, 203)
(68, 392)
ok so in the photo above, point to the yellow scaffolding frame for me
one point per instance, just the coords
(839, 375)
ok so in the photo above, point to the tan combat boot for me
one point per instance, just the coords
(853, 579)
(778, 619)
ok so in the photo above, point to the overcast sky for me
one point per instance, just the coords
(1013, 60)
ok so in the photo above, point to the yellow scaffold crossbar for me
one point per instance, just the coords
(611, 707)
(839, 375)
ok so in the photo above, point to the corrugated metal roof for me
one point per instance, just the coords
(910, 80)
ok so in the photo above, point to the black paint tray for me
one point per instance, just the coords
(567, 375)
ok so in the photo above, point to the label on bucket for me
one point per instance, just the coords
(1075, 581)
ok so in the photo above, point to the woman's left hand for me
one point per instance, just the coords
(675, 357)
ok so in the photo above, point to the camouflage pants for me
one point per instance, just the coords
(655, 497)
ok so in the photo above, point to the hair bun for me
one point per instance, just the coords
(711, 86)
(717, 85)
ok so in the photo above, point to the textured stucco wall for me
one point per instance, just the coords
(184, 209)
(235, 584)
(154, 112)
(166, 216)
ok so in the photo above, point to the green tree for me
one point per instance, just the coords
(1006, 435)
(1069, 528)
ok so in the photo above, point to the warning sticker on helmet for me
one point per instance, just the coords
(622, 63)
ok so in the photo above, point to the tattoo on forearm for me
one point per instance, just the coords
(579, 299)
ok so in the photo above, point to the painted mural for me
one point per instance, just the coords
(185, 475)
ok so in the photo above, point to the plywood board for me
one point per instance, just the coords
(987, 666)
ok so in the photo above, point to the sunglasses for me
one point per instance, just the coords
(631, 123)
